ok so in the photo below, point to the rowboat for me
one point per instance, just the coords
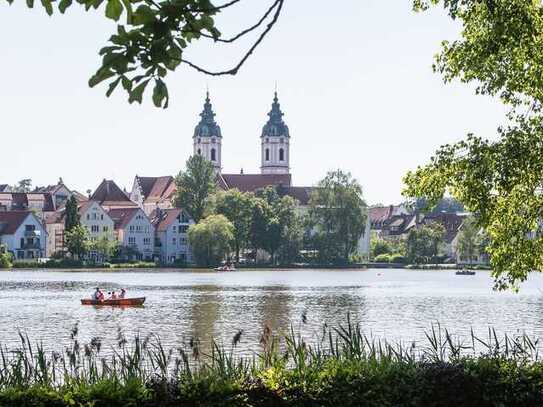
(124, 302)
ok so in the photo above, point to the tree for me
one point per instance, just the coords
(77, 241)
(195, 186)
(155, 36)
(238, 208)
(72, 218)
(23, 185)
(105, 247)
(500, 180)
(211, 240)
(292, 231)
(423, 243)
(5, 258)
(469, 240)
(380, 246)
(338, 216)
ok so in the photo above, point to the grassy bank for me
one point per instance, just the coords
(343, 367)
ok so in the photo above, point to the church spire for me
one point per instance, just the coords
(207, 127)
(275, 127)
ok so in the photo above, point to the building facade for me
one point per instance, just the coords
(171, 229)
(134, 232)
(24, 234)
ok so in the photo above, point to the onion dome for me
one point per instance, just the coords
(207, 126)
(275, 127)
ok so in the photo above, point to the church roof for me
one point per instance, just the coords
(207, 127)
(252, 182)
(275, 127)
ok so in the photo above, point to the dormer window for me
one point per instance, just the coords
(281, 154)
(267, 154)
(213, 155)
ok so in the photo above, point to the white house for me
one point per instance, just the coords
(134, 231)
(96, 220)
(171, 226)
(23, 234)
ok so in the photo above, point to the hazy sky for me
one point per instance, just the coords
(355, 83)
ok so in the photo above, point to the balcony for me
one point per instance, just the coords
(32, 233)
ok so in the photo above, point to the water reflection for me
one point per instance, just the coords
(180, 306)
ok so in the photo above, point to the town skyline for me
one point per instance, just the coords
(372, 107)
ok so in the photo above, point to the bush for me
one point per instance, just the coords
(382, 258)
(397, 258)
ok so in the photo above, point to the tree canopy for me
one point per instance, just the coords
(499, 50)
(195, 187)
(154, 37)
(211, 240)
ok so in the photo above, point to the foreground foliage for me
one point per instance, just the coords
(342, 366)
(499, 50)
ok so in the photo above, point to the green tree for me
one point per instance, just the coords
(105, 247)
(77, 241)
(499, 51)
(238, 208)
(211, 240)
(195, 187)
(5, 258)
(338, 216)
(24, 185)
(72, 218)
(155, 36)
(469, 240)
(423, 244)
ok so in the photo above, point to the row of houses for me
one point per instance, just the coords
(394, 222)
(32, 224)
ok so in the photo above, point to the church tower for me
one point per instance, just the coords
(275, 142)
(207, 137)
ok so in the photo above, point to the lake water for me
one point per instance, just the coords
(394, 304)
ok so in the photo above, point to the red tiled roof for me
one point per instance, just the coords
(164, 218)
(80, 197)
(122, 216)
(301, 194)
(450, 221)
(252, 182)
(108, 193)
(379, 214)
(20, 200)
(10, 221)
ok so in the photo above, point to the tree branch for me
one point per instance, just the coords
(233, 71)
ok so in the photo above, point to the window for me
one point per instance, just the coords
(182, 241)
(267, 154)
(174, 228)
(131, 228)
(30, 228)
(146, 241)
(199, 152)
(184, 218)
(183, 228)
(95, 228)
(174, 241)
(102, 216)
(94, 217)
(105, 229)
(132, 240)
(281, 154)
(213, 155)
(88, 216)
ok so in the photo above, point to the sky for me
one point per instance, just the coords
(355, 84)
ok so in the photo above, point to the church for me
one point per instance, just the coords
(274, 153)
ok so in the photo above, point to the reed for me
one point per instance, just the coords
(288, 368)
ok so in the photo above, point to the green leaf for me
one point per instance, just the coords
(160, 92)
(136, 94)
(30, 3)
(112, 86)
(127, 84)
(114, 9)
(48, 6)
(63, 5)
(143, 15)
(101, 75)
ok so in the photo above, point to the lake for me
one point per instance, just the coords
(399, 305)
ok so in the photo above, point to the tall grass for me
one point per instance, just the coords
(147, 360)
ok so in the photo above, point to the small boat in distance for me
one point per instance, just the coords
(465, 272)
(226, 267)
(122, 302)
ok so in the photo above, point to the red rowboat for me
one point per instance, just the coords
(118, 302)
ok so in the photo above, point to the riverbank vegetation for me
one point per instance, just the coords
(342, 366)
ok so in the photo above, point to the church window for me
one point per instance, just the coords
(281, 154)
(267, 154)
(199, 152)
(213, 156)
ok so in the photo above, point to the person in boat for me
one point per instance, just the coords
(122, 294)
(98, 295)
(113, 296)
